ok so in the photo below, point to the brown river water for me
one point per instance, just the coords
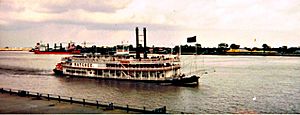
(234, 84)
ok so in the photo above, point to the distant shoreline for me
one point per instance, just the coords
(189, 53)
(15, 49)
(256, 54)
(242, 54)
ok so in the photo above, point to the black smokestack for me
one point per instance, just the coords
(145, 45)
(47, 46)
(137, 43)
(60, 46)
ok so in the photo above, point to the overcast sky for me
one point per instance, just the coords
(169, 22)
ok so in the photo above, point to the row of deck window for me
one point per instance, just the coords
(77, 71)
(109, 73)
(131, 74)
(140, 65)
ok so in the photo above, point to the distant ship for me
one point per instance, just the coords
(44, 49)
(155, 68)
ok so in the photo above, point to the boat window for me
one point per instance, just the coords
(131, 74)
(153, 74)
(100, 72)
(118, 73)
(71, 71)
(137, 74)
(112, 73)
(145, 74)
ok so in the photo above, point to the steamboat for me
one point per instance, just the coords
(154, 68)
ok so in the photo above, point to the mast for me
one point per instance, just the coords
(196, 57)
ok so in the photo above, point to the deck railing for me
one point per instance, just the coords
(129, 68)
(118, 60)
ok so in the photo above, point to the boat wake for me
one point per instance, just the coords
(23, 71)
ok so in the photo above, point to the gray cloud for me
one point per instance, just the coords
(10, 6)
(255, 18)
(59, 6)
(109, 6)
(21, 25)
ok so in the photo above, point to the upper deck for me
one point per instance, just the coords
(153, 59)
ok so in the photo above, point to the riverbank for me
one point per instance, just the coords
(21, 101)
(13, 104)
